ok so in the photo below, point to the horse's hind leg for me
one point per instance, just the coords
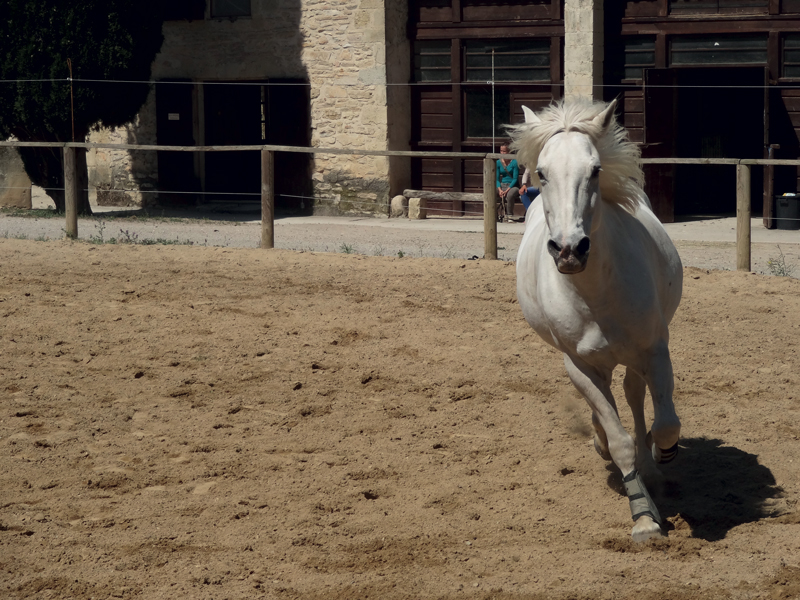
(666, 428)
(594, 385)
(635, 389)
(600, 438)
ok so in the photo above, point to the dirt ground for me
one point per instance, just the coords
(189, 422)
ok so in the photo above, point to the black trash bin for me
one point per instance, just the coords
(787, 212)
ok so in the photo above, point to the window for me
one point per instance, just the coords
(696, 50)
(432, 60)
(680, 7)
(500, 61)
(791, 55)
(527, 60)
(640, 54)
(185, 10)
(479, 112)
(230, 8)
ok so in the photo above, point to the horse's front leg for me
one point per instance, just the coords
(593, 384)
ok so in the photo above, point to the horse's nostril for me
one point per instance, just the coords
(583, 246)
(553, 248)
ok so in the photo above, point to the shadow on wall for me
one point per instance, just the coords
(127, 178)
(248, 86)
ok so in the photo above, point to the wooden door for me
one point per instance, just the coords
(174, 127)
(287, 109)
(233, 118)
(769, 170)
(659, 140)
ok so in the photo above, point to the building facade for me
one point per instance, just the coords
(695, 78)
(708, 79)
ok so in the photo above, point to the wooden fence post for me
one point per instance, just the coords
(70, 192)
(267, 199)
(489, 209)
(743, 217)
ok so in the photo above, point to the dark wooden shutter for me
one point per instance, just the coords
(659, 137)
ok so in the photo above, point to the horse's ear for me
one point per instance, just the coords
(530, 116)
(606, 118)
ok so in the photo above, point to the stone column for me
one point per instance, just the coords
(583, 48)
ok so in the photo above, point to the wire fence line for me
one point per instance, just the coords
(267, 194)
(362, 152)
(267, 83)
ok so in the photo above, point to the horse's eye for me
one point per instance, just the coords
(542, 178)
(596, 170)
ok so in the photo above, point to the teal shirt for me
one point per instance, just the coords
(509, 174)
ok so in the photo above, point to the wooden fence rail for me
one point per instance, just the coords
(71, 191)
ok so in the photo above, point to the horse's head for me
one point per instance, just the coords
(568, 169)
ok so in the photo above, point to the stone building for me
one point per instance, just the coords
(695, 78)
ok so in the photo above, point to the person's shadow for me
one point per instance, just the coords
(713, 488)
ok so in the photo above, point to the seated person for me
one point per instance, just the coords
(507, 188)
(527, 192)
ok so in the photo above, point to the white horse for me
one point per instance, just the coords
(599, 279)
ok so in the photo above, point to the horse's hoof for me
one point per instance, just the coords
(661, 456)
(646, 529)
(600, 449)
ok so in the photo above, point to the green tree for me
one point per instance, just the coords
(110, 44)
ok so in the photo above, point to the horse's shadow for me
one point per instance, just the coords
(713, 488)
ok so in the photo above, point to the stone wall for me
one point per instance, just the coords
(583, 48)
(344, 50)
(15, 185)
(124, 177)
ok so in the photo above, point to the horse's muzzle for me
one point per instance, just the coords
(570, 260)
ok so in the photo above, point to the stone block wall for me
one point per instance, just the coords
(124, 177)
(15, 185)
(345, 53)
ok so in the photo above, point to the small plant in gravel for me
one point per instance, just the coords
(400, 254)
(128, 237)
(165, 242)
(131, 237)
(32, 213)
(19, 236)
(779, 267)
(449, 252)
(98, 238)
(347, 248)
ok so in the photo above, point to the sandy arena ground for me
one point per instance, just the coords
(197, 422)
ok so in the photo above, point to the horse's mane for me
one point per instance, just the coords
(621, 178)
